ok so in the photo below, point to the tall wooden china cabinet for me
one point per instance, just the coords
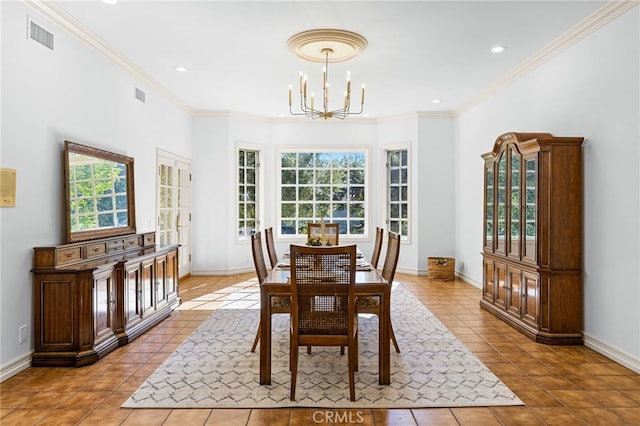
(532, 256)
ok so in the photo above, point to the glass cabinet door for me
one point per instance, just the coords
(514, 205)
(530, 208)
(488, 207)
(501, 205)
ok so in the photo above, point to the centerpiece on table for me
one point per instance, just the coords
(319, 240)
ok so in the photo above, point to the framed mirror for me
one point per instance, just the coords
(99, 193)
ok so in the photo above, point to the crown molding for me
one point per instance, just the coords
(58, 16)
(593, 22)
(601, 17)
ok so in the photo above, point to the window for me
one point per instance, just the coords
(248, 165)
(398, 192)
(98, 194)
(320, 184)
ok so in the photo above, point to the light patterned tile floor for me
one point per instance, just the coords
(560, 385)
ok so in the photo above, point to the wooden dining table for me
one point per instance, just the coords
(368, 283)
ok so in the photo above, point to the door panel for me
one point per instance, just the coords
(174, 207)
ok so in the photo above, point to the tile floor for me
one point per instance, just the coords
(560, 385)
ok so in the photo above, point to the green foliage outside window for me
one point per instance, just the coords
(322, 185)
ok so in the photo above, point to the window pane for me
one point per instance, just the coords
(305, 193)
(323, 194)
(288, 193)
(356, 194)
(356, 177)
(288, 210)
(289, 160)
(323, 176)
(305, 177)
(305, 210)
(289, 177)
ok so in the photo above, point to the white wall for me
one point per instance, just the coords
(590, 90)
(47, 97)
(215, 139)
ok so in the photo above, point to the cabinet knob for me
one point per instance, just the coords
(69, 254)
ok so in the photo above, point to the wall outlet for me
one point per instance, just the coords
(23, 333)
(462, 266)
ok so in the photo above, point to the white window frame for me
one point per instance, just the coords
(247, 146)
(365, 150)
(385, 186)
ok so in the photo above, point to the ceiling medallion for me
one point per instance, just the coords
(325, 45)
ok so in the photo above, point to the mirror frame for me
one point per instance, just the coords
(91, 234)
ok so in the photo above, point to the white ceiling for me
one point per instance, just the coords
(237, 57)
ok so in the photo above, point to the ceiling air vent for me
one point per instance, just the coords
(140, 95)
(39, 34)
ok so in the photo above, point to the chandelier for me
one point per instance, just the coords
(325, 46)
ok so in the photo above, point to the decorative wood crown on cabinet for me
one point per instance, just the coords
(532, 254)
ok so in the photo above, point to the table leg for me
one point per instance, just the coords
(384, 362)
(265, 337)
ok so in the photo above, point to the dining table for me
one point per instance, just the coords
(369, 282)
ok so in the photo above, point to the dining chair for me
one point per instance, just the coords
(323, 304)
(377, 248)
(279, 304)
(331, 231)
(371, 304)
(271, 248)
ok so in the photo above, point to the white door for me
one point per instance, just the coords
(174, 206)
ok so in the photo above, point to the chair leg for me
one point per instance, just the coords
(356, 354)
(393, 337)
(353, 356)
(294, 368)
(257, 338)
(308, 350)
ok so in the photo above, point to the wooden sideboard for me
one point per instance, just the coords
(91, 297)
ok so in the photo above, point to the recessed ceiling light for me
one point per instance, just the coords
(435, 101)
(110, 1)
(181, 69)
(497, 49)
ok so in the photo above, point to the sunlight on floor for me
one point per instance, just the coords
(243, 295)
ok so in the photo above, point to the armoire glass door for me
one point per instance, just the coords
(530, 208)
(489, 199)
(501, 205)
(514, 205)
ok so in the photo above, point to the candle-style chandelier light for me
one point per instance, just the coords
(325, 46)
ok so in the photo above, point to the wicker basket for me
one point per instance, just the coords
(441, 268)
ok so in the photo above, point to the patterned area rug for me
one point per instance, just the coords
(213, 368)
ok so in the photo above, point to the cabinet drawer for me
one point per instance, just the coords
(67, 255)
(149, 239)
(115, 245)
(132, 242)
(96, 249)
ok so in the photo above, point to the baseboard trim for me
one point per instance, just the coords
(467, 279)
(622, 358)
(203, 272)
(14, 367)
